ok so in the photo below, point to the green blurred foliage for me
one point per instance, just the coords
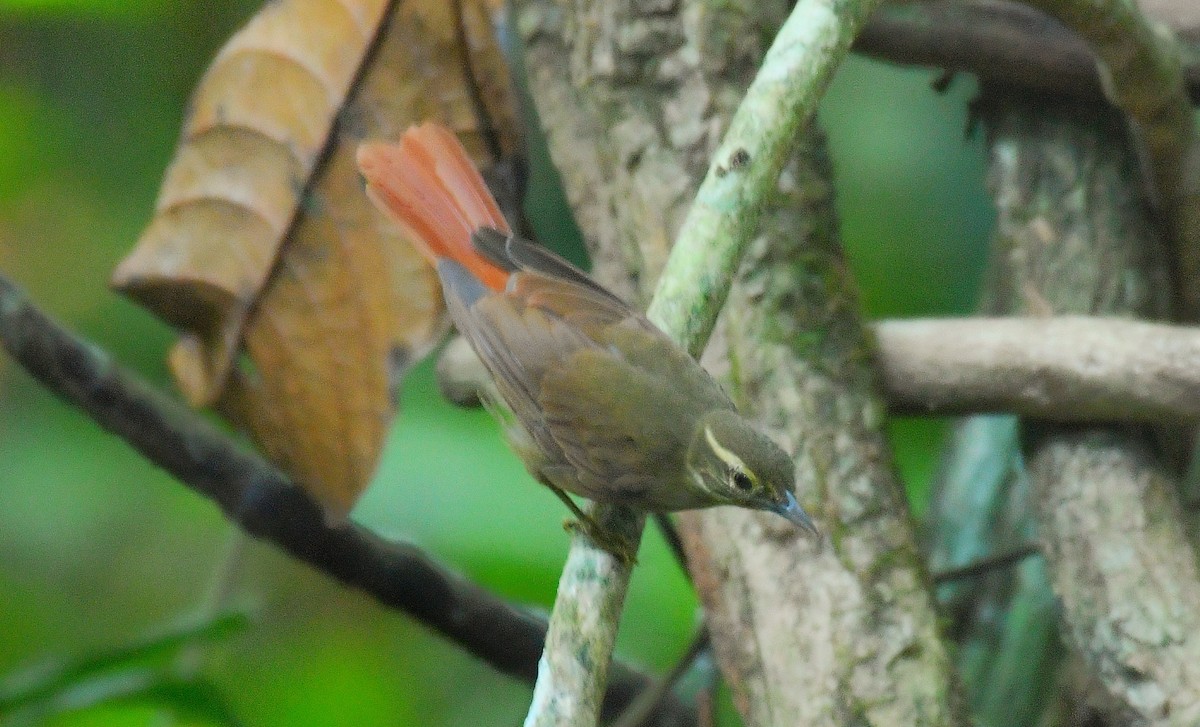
(98, 548)
(124, 9)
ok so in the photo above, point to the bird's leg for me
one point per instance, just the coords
(619, 546)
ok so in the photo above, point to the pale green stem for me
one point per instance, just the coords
(723, 219)
(745, 169)
(220, 592)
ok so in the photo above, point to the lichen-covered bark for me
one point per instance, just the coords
(635, 97)
(1074, 238)
(573, 670)
(843, 634)
(1141, 70)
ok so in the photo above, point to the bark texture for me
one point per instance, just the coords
(845, 634)
(573, 670)
(1065, 368)
(1074, 238)
(634, 98)
(1142, 72)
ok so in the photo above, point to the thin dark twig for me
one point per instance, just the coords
(650, 701)
(258, 497)
(470, 77)
(666, 526)
(986, 564)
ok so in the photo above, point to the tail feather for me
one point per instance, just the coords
(429, 185)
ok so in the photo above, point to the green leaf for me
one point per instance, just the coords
(190, 700)
(135, 669)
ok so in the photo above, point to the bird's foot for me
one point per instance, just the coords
(622, 548)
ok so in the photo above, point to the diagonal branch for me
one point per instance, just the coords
(743, 173)
(263, 502)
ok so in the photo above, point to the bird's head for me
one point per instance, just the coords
(736, 464)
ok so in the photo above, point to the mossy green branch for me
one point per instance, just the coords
(743, 172)
(724, 218)
(1142, 71)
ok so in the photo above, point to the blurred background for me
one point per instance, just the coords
(99, 550)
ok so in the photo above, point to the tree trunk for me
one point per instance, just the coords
(1074, 238)
(634, 97)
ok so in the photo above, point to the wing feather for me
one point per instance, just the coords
(591, 381)
(516, 342)
(607, 418)
(515, 253)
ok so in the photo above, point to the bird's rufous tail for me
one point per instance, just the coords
(428, 184)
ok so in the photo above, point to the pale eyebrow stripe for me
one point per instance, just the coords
(726, 456)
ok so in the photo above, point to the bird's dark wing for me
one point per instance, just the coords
(544, 280)
(652, 351)
(514, 253)
(623, 432)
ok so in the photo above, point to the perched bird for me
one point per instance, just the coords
(603, 404)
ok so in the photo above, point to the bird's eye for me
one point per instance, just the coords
(742, 481)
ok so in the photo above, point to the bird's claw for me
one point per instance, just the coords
(621, 547)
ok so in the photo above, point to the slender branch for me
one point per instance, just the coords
(742, 175)
(647, 703)
(1005, 627)
(986, 564)
(1069, 368)
(670, 533)
(264, 503)
(745, 168)
(573, 670)
(1000, 42)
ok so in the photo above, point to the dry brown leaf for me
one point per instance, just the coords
(259, 120)
(348, 303)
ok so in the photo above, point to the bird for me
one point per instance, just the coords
(594, 398)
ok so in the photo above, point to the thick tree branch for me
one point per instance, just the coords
(1001, 42)
(263, 502)
(1062, 369)
(743, 174)
(634, 98)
